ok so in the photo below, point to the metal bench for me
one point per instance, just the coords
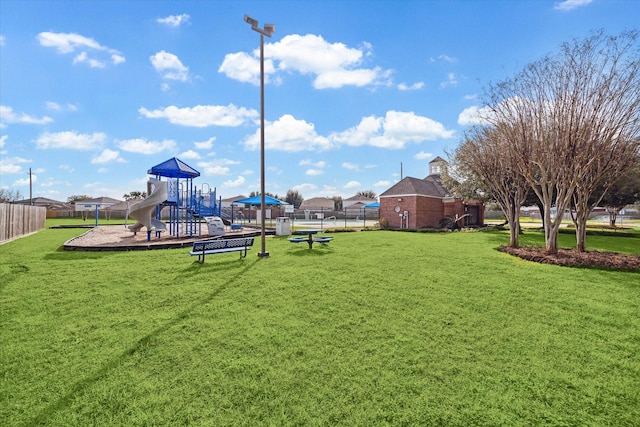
(211, 247)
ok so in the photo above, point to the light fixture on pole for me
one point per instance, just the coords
(266, 31)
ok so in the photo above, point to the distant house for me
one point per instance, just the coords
(423, 203)
(55, 208)
(317, 204)
(354, 205)
(230, 201)
(108, 205)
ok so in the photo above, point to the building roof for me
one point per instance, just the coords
(430, 186)
(174, 168)
(317, 203)
(233, 199)
(39, 201)
(99, 201)
(359, 198)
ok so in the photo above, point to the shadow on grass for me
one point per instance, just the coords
(142, 344)
(61, 255)
(318, 250)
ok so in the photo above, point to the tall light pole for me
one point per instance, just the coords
(266, 31)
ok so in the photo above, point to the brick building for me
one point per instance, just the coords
(423, 203)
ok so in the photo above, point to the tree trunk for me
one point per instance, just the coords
(551, 241)
(551, 229)
(514, 226)
(613, 216)
(581, 235)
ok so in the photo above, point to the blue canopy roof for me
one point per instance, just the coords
(174, 168)
(255, 200)
(372, 205)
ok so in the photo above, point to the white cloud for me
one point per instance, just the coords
(7, 115)
(443, 58)
(314, 172)
(54, 106)
(169, 66)
(382, 183)
(93, 63)
(142, 146)
(108, 156)
(393, 131)
(11, 165)
(116, 58)
(567, 5)
(26, 181)
(304, 188)
(415, 86)
(3, 139)
(351, 166)
(245, 68)
(205, 145)
(71, 140)
(352, 184)
(288, 134)
(473, 115)
(217, 166)
(203, 115)
(2, 40)
(190, 154)
(174, 20)
(334, 65)
(452, 80)
(234, 183)
(423, 155)
(213, 168)
(65, 43)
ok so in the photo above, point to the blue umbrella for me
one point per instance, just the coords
(255, 200)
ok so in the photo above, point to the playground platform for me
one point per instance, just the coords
(118, 238)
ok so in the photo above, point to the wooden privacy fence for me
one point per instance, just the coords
(19, 220)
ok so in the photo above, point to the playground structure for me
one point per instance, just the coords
(186, 205)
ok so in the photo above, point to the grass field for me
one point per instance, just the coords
(375, 328)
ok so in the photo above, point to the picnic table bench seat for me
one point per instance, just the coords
(210, 247)
(323, 239)
(297, 239)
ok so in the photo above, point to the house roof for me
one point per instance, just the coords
(99, 201)
(317, 203)
(438, 159)
(233, 199)
(359, 198)
(430, 186)
(39, 201)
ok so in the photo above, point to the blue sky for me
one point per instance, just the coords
(94, 93)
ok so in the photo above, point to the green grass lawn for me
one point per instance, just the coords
(375, 328)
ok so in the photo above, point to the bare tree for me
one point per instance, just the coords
(9, 195)
(484, 162)
(566, 116)
(608, 123)
(367, 193)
